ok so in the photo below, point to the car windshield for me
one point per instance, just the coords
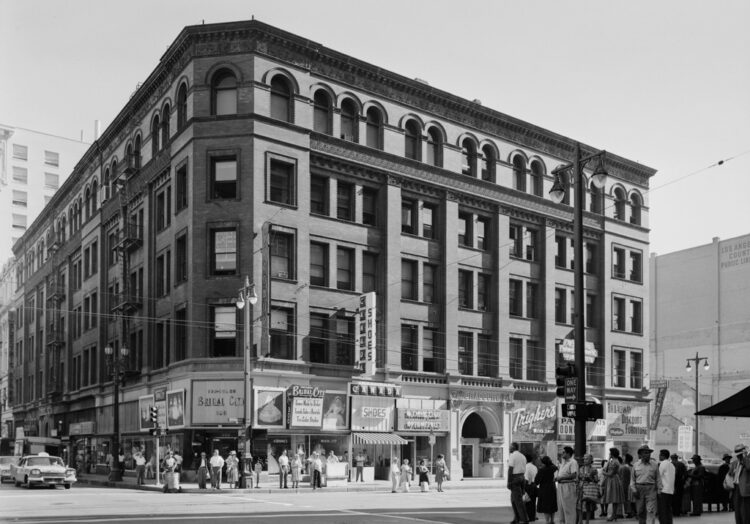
(44, 461)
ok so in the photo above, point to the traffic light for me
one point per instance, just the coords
(155, 415)
(563, 372)
(594, 411)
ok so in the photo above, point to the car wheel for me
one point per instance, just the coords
(67, 486)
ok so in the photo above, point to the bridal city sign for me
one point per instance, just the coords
(216, 402)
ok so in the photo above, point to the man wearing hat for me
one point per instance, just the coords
(697, 478)
(722, 503)
(644, 484)
(680, 475)
(739, 469)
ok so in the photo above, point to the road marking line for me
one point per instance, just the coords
(396, 516)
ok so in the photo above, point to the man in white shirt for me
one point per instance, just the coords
(516, 484)
(529, 478)
(140, 467)
(567, 496)
(666, 488)
(217, 462)
(283, 470)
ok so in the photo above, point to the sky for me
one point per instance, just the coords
(665, 83)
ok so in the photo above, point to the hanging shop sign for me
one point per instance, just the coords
(374, 389)
(365, 337)
(372, 414)
(533, 420)
(305, 407)
(627, 420)
(216, 402)
(437, 420)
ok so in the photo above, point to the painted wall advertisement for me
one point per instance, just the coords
(533, 420)
(216, 402)
(627, 420)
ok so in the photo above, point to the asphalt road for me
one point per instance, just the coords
(107, 505)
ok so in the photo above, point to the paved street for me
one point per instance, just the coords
(96, 504)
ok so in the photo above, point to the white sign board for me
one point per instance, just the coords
(365, 336)
(685, 439)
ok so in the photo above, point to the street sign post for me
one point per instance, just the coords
(571, 386)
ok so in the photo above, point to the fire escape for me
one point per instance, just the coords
(55, 294)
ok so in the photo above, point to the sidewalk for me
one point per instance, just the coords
(128, 482)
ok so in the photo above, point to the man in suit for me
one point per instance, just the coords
(739, 469)
(679, 484)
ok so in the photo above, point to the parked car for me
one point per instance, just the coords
(5, 463)
(42, 470)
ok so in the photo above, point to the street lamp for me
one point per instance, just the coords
(116, 362)
(246, 294)
(572, 173)
(688, 369)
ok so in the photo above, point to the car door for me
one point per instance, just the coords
(18, 470)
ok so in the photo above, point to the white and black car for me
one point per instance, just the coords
(42, 470)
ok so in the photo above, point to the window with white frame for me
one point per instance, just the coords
(627, 367)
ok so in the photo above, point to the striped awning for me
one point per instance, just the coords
(379, 438)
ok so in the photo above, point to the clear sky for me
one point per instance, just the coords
(665, 83)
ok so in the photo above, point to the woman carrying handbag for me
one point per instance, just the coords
(588, 489)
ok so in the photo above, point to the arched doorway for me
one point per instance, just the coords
(473, 431)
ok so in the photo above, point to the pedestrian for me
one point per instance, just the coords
(644, 485)
(626, 473)
(666, 488)
(359, 463)
(395, 474)
(232, 464)
(332, 458)
(529, 477)
(724, 495)
(258, 468)
(177, 461)
(316, 466)
(151, 467)
(169, 469)
(140, 467)
(546, 493)
(296, 467)
(516, 483)
(567, 477)
(588, 489)
(603, 514)
(202, 472)
(739, 470)
(424, 476)
(283, 470)
(441, 472)
(217, 462)
(697, 477)
(680, 476)
(405, 477)
(612, 492)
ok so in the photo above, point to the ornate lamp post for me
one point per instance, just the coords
(246, 294)
(566, 175)
(117, 365)
(689, 368)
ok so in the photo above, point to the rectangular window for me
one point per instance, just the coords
(20, 175)
(408, 220)
(636, 319)
(429, 336)
(19, 221)
(590, 254)
(224, 323)
(51, 158)
(51, 181)
(180, 334)
(224, 177)
(618, 263)
(409, 352)
(369, 206)
(94, 309)
(618, 314)
(487, 356)
(591, 311)
(281, 183)
(163, 211)
(224, 251)
(532, 292)
(94, 257)
(636, 272)
(344, 341)
(516, 240)
(464, 230)
(515, 363)
(636, 370)
(429, 274)
(20, 198)
(369, 271)
(483, 228)
(319, 195)
(345, 268)
(465, 289)
(428, 221)
(20, 152)
(282, 256)
(318, 264)
(561, 308)
(282, 333)
(408, 279)
(619, 368)
(319, 338)
(561, 252)
(344, 201)
(160, 271)
(465, 353)
(535, 361)
(515, 296)
(181, 259)
(181, 188)
(530, 244)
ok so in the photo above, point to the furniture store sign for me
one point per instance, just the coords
(627, 420)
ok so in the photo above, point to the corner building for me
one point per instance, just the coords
(253, 152)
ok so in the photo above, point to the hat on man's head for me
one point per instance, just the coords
(740, 448)
(696, 457)
(645, 449)
(232, 452)
(726, 456)
(674, 456)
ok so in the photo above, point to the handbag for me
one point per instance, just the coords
(526, 498)
(591, 492)
(728, 483)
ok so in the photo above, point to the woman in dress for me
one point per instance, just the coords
(612, 492)
(441, 472)
(626, 471)
(424, 478)
(405, 475)
(296, 471)
(546, 502)
(232, 472)
(395, 474)
(588, 489)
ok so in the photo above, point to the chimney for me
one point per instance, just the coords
(97, 129)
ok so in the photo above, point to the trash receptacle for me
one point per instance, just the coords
(171, 482)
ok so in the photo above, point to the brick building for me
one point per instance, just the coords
(252, 152)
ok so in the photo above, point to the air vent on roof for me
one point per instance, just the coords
(422, 81)
(477, 101)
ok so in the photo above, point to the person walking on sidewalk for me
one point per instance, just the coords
(140, 467)
(666, 488)
(516, 473)
(441, 472)
(283, 470)
(395, 474)
(202, 473)
(697, 477)
(296, 466)
(233, 470)
(612, 492)
(644, 484)
(546, 493)
(359, 462)
(680, 476)
(567, 477)
(424, 476)
(405, 475)
(217, 462)
(316, 467)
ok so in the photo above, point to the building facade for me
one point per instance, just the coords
(700, 298)
(326, 181)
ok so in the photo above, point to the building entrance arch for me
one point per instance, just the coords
(477, 424)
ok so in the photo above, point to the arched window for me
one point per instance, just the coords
(519, 173)
(635, 209)
(79, 213)
(596, 195)
(412, 140)
(281, 99)
(87, 199)
(182, 107)
(137, 152)
(155, 136)
(322, 112)
(434, 147)
(537, 178)
(107, 184)
(488, 163)
(112, 185)
(620, 201)
(129, 156)
(374, 126)
(224, 93)
(468, 156)
(94, 197)
(165, 116)
(63, 227)
(349, 120)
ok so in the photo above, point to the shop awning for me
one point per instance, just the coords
(738, 405)
(379, 438)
